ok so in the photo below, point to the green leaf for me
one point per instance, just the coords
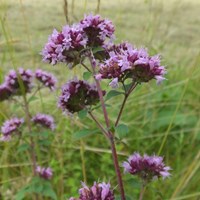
(82, 114)
(97, 49)
(121, 130)
(83, 133)
(48, 191)
(23, 147)
(112, 94)
(44, 142)
(22, 192)
(33, 98)
(127, 197)
(87, 75)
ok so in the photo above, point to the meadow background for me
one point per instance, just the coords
(163, 118)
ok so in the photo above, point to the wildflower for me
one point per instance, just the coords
(65, 46)
(146, 167)
(44, 120)
(9, 127)
(5, 92)
(97, 29)
(127, 62)
(46, 78)
(13, 79)
(76, 95)
(99, 191)
(45, 173)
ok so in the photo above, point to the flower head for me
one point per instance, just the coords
(9, 127)
(146, 167)
(99, 191)
(5, 92)
(65, 46)
(97, 29)
(76, 95)
(125, 61)
(44, 120)
(46, 78)
(45, 173)
(13, 79)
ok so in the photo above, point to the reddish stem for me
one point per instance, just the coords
(109, 133)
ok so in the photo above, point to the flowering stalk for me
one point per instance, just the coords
(109, 133)
(142, 191)
(83, 162)
(32, 150)
(28, 120)
(126, 95)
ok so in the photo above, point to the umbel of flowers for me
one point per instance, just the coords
(77, 95)
(99, 191)
(89, 43)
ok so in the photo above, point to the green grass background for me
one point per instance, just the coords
(168, 114)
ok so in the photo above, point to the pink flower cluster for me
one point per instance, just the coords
(45, 173)
(125, 61)
(97, 29)
(146, 167)
(76, 95)
(12, 80)
(99, 191)
(46, 78)
(66, 46)
(22, 79)
(9, 127)
(44, 120)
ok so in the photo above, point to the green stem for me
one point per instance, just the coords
(82, 149)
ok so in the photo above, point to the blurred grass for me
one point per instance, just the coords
(162, 119)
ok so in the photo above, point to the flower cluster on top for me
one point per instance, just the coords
(21, 81)
(99, 191)
(146, 167)
(45, 173)
(13, 125)
(44, 120)
(116, 62)
(67, 45)
(124, 61)
(10, 127)
(46, 78)
(76, 95)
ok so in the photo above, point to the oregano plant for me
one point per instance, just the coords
(90, 44)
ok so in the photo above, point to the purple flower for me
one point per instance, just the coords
(146, 167)
(45, 173)
(125, 61)
(44, 120)
(76, 95)
(9, 127)
(13, 79)
(46, 78)
(65, 46)
(5, 92)
(99, 191)
(97, 29)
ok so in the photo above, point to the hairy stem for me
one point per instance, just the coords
(142, 191)
(109, 133)
(117, 169)
(98, 124)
